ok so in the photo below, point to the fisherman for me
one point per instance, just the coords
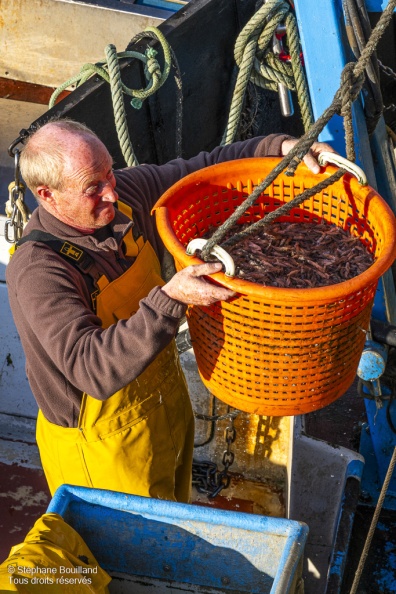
(97, 322)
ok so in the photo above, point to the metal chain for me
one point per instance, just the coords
(207, 478)
(387, 70)
(223, 478)
(228, 415)
(389, 107)
(204, 477)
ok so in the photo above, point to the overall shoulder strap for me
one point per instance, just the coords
(134, 240)
(68, 250)
(72, 254)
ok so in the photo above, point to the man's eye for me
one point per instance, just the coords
(91, 190)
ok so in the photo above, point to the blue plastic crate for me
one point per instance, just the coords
(174, 543)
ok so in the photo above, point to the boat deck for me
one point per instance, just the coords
(24, 498)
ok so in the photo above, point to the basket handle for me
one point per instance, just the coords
(222, 255)
(327, 157)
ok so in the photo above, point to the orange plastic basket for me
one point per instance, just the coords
(274, 351)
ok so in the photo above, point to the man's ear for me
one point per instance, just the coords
(46, 195)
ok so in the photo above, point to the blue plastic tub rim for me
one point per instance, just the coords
(171, 512)
(174, 510)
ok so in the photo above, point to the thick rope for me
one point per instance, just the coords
(110, 72)
(301, 83)
(346, 94)
(349, 93)
(245, 49)
(272, 72)
(119, 106)
(373, 524)
(259, 65)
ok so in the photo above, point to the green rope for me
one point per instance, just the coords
(273, 71)
(170, 61)
(259, 65)
(88, 70)
(152, 69)
(110, 72)
(119, 107)
(301, 85)
(244, 52)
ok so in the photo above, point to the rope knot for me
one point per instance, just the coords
(152, 69)
(151, 53)
(351, 85)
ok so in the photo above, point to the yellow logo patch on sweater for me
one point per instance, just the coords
(71, 251)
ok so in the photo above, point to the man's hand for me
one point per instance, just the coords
(310, 158)
(189, 286)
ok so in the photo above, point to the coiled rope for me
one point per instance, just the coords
(258, 64)
(352, 80)
(110, 72)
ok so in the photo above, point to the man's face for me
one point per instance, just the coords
(87, 200)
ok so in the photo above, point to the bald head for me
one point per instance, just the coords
(46, 152)
(70, 171)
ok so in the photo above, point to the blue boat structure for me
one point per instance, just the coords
(281, 504)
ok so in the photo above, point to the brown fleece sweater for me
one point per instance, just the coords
(67, 351)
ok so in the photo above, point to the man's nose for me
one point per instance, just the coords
(108, 193)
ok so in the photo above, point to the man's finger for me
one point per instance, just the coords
(207, 268)
(311, 162)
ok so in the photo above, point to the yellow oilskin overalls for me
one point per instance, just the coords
(140, 440)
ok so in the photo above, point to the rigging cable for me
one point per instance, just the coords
(373, 524)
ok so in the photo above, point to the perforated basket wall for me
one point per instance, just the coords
(274, 351)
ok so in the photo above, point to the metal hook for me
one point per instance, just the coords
(220, 253)
(22, 135)
(17, 154)
(327, 157)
